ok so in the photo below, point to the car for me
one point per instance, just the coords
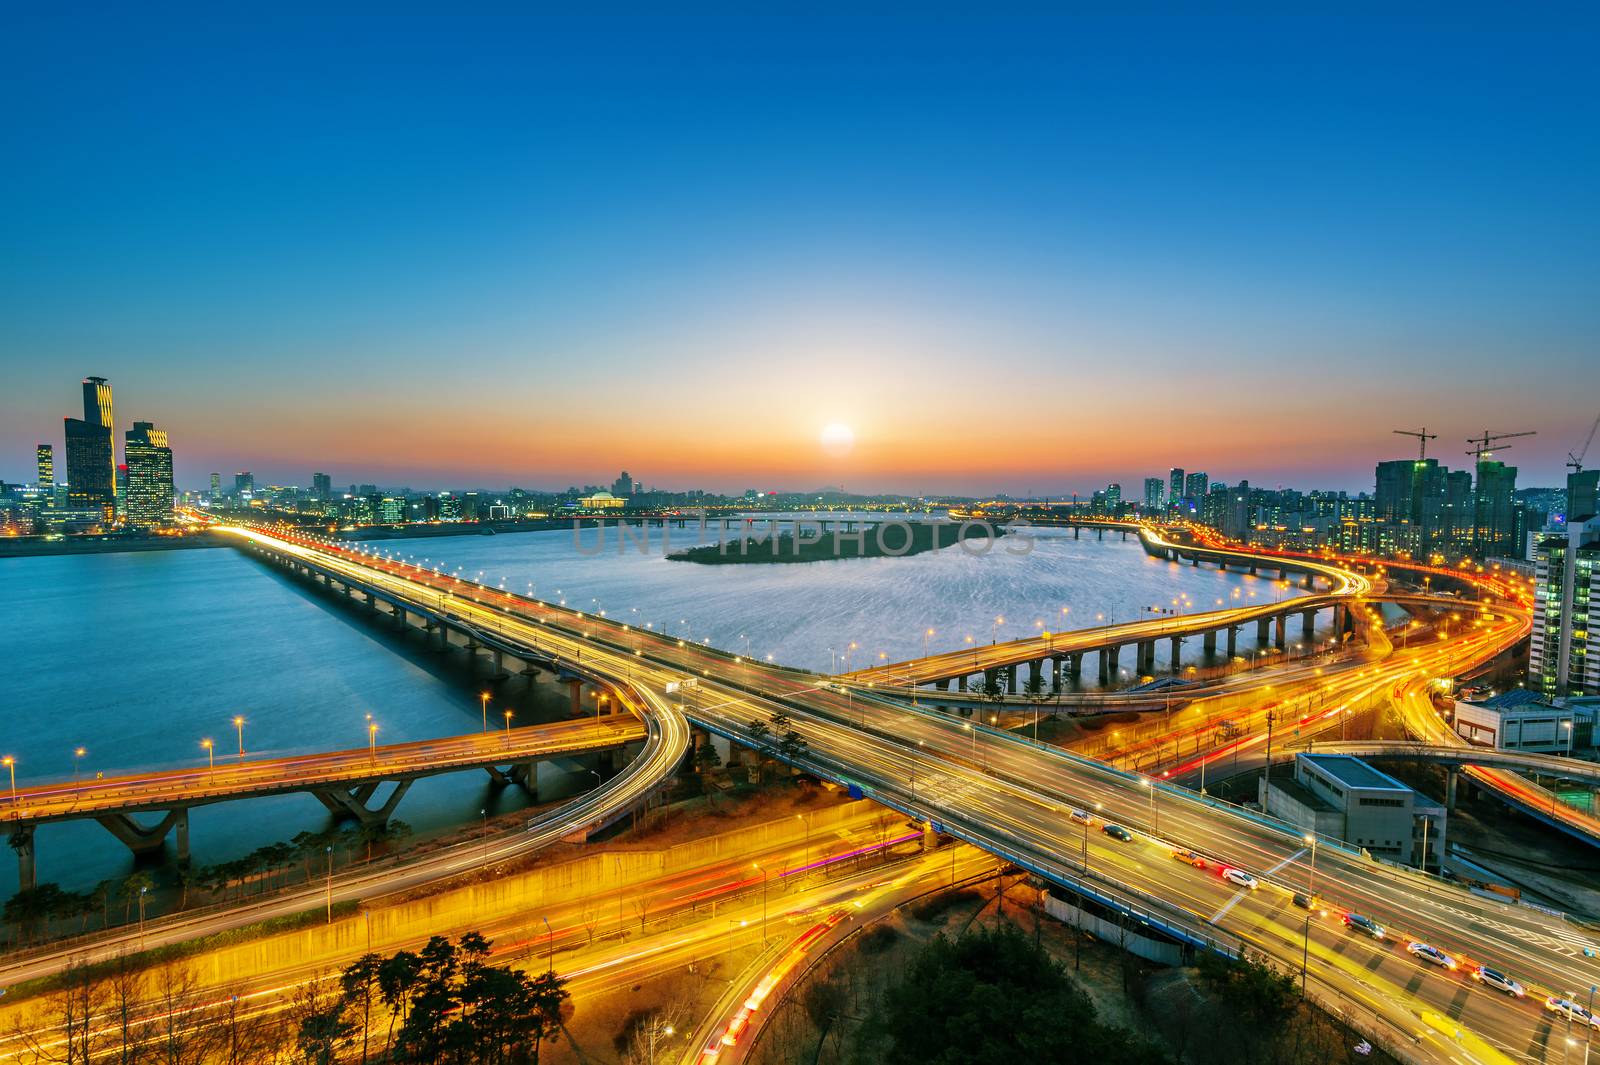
(1431, 954)
(1498, 980)
(1117, 832)
(1191, 857)
(1081, 817)
(1571, 1010)
(1357, 923)
(1240, 877)
(1304, 901)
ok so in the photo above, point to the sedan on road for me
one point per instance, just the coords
(1432, 955)
(1498, 980)
(1365, 925)
(1240, 877)
(1574, 1012)
(1118, 832)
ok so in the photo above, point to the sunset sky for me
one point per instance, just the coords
(1008, 255)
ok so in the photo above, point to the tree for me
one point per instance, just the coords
(792, 745)
(991, 689)
(397, 981)
(994, 997)
(706, 762)
(1035, 686)
(358, 988)
(134, 886)
(758, 732)
(320, 1024)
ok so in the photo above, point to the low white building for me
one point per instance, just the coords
(1342, 796)
(1520, 720)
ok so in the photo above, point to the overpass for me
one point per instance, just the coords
(1011, 798)
(344, 781)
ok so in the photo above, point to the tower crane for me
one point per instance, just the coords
(1488, 443)
(1576, 461)
(1423, 436)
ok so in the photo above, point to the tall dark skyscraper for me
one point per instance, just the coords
(45, 455)
(1494, 503)
(321, 486)
(1410, 502)
(1175, 484)
(150, 488)
(1195, 485)
(216, 486)
(91, 451)
(244, 485)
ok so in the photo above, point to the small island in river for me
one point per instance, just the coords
(887, 539)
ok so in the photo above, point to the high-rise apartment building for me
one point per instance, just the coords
(244, 485)
(150, 487)
(1175, 484)
(92, 452)
(1494, 510)
(1194, 486)
(1153, 487)
(321, 486)
(45, 481)
(1410, 506)
(216, 486)
(1564, 657)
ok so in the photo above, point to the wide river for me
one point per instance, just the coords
(138, 657)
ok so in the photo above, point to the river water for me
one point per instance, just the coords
(138, 657)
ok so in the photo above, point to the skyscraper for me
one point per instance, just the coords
(1152, 493)
(1194, 485)
(1410, 505)
(216, 486)
(91, 451)
(1175, 484)
(321, 486)
(1564, 656)
(150, 488)
(1494, 518)
(45, 455)
(244, 485)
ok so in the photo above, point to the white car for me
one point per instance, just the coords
(1498, 980)
(1240, 877)
(1081, 817)
(1432, 954)
(1577, 1013)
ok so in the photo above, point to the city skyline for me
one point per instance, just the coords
(958, 239)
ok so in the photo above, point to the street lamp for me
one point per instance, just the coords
(372, 740)
(763, 902)
(1149, 786)
(238, 723)
(657, 1028)
(211, 755)
(508, 730)
(77, 753)
(11, 764)
(484, 698)
(1311, 882)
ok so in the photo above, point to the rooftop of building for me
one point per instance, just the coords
(1285, 782)
(1352, 772)
(1516, 698)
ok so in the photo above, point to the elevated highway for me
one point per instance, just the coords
(1013, 799)
(345, 782)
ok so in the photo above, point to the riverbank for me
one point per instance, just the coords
(888, 539)
(38, 546)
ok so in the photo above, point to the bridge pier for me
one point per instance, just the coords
(1194, 560)
(1177, 653)
(143, 839)
(21, 841)
(1036, 674)
(1280, 638)
(575, 694)
(1099, 533)
(352, 803)
(1208, 643)
(1144, 657)
(1306, 582)
(1075, 665)
(1308, 623)
(1108, 663)
(961, 683)
(1450, 789)
(1075, 531)
(1055, 675)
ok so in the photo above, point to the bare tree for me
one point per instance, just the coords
(63, 1029)
(180, 1033)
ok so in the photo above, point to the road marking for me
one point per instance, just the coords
(1242, 892)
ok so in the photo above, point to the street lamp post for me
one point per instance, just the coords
(11, 764)
(211, 757)
(328, 850)
(238, 724)
(551, 932)
(1311, 881)
(484, 699)
(77, 755)
(1149, 786)
(508, 729)
(372, 740)
(763, 903)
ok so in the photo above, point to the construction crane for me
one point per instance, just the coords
(1423, 436)
(1576, 461)
(1488, 443)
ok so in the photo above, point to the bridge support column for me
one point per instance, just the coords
(961, 683)
(27, 870)
(1306, 582)
(1308, 623)
(1075, 665)
(942, 684)
(1280, 625)
(1055, 675)
(1194, 560)
(1036, 674)
(1145, 658)
(142, 839)
(1222, 565)
(1252, 569)
(1099, 534)
(353, 803)
(1208, 643)
(1177, 653)
(1450, 789)
(1108, 663)
(1009, 675)
(1233, 641)
(1075, 531)
(575, 693)
(1261, 630)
